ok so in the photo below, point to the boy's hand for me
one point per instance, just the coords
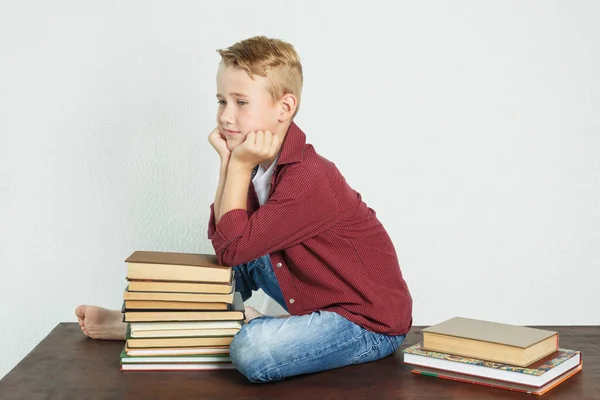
(258, 147)
(217, 140)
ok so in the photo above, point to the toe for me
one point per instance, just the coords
(80, 311)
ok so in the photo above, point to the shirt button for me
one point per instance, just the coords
(292, 301)
(278, 265)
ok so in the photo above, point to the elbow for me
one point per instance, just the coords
(225, 258)
(231, 257)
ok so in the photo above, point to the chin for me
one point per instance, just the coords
(232, 146)
(234, 142)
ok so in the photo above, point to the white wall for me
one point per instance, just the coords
(471, 128)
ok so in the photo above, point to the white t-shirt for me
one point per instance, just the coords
(262, 181)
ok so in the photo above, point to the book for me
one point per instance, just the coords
(185, 333)
(236, 313)
(186, 267)
(187, 297)
(172, 305)
(536, 375)
(176, 360)
(496, 383)
(176, 351)
(158, 326)
(207, 358)
(171, 367)
(503, 343)
(181, 287)
(133, 343)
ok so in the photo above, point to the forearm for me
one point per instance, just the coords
(235, 190)
(220, 188)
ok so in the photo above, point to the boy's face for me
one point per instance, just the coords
(245, 105)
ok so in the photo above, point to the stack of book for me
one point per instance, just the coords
(492, 354)
(181, 310)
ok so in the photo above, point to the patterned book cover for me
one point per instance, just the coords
(500, 384)
(537, 369)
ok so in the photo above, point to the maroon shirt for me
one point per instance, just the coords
(328, 249)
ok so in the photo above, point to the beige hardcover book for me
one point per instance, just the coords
(181, 287)
(180, 342)
(184, 333)
(171, 326)
(155, 316)
(492, 341)
(172, 305)
(182, 297)
(176, 351)
(236, 313)
(182, 267)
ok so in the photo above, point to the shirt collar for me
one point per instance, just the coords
(293, 145)
(263, 172)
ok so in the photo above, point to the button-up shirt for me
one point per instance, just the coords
(328, 249)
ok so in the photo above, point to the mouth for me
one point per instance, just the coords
(230, 133)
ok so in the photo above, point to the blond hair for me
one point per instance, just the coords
(271, 58)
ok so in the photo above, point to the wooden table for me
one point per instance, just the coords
(67, 365)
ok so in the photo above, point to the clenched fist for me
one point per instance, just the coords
(259, 146)
(217, 140)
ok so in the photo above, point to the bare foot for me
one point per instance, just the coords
(101, 323)
(251, 313)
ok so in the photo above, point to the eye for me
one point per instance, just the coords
(221, 102)
(242, 102)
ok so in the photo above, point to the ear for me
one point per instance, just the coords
(288, 104)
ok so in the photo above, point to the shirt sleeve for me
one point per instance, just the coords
(211, 222)
(301, 206)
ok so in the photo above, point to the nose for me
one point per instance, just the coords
(226, 116)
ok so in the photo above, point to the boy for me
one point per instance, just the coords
(287, 221)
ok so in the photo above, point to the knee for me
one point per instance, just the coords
(251, 356)
(239, 351)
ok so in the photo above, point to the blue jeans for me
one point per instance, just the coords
(270, 348)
